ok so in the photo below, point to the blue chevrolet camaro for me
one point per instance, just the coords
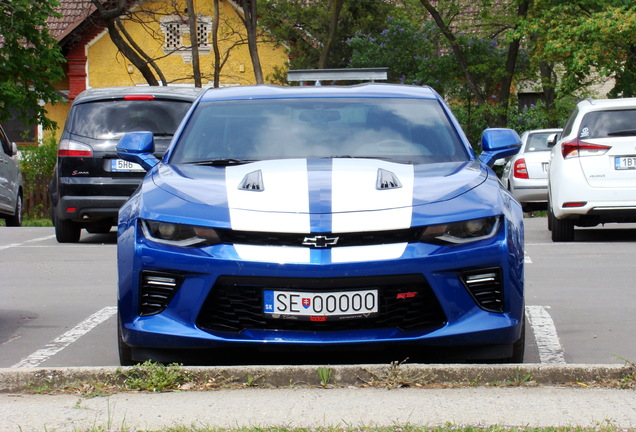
(320, 217)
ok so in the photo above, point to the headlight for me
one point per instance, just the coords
(179, 234)
(461, 232)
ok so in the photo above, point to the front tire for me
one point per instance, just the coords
(519, 347)
(125, 352)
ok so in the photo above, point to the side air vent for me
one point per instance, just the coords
(486, 287)
(387, 180)
(156, 291)
(253, 182)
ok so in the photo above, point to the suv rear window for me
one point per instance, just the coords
(611, 123)
(107, 119)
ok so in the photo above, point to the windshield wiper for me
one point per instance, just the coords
(222, 162)
(626, 132)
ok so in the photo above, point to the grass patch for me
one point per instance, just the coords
(32, 223)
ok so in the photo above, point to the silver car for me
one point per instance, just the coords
(10, 182)
(525, 175)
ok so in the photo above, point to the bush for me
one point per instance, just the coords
(37, 164)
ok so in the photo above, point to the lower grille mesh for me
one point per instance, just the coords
(236, 304)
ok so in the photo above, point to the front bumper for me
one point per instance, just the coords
(460, 319)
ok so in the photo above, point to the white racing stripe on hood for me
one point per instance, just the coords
(358, 205)
(283, 204)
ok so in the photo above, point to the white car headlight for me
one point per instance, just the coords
(179, 234)
(462, 232)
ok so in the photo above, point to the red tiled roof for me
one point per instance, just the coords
(74, 12)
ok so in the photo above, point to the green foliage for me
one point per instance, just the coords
(324, 373)
(538, 116)
(37, 164)
(31, 60)
(155, 377)
(599, 40)
(303, 26)
(412, 54)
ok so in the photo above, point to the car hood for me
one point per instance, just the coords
(310, 195)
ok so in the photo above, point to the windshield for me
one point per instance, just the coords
(110, 118)
(402, 130)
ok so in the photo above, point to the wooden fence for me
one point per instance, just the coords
(37, 200)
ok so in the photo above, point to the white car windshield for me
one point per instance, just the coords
(401, 130)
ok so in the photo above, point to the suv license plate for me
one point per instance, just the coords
(120, 165)
(320, 306)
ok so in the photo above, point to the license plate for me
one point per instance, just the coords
(625, 162)
(320, 306)
(120, 165)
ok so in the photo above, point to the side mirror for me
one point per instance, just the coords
(138, 147)
(498, 143)
(14, 149)
(552, 139)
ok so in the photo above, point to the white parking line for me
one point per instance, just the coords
(550, 350)
(25, 242)
(66, 339)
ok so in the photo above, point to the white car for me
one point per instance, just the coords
(525, 175)
(592, 171)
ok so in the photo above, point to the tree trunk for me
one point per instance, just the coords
(215, 45)
(109, 16)
(448, 34)
(334, 17)
(141, 52)
(511, 64)
(251, 26)
(194, 43)
(131, 54)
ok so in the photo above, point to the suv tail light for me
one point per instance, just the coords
(520, 169)
(72, 148)
(578, 148)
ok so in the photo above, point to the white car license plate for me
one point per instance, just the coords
(120, 165)
(320, 306)
(625, 162)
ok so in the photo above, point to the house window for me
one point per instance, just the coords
(527, 100)
(175, 27)
(173, 36)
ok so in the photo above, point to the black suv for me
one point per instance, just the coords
(90, 182)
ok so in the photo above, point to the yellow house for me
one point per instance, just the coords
(161, 30)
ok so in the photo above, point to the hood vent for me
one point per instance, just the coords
(387, 180)
(253, 182)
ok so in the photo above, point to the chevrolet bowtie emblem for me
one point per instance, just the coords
(320, 241)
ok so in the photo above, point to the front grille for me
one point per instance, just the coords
(486, 287)
(156, 290)
(342, 239)
(235, 304)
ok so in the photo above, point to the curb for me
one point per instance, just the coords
(23, 379)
